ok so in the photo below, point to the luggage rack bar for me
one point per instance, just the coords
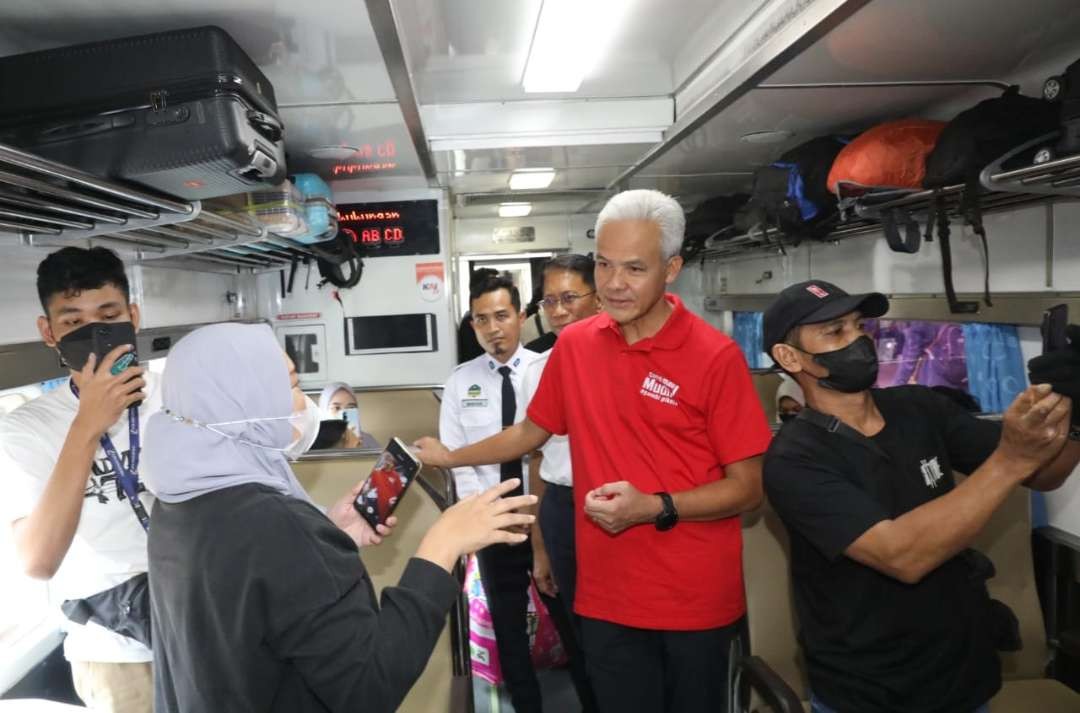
(46, 204)
(771, 240)
(1055, 176)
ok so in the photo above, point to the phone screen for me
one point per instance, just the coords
(391, 476)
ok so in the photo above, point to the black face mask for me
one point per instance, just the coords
(851, 369)
(785, 417)
(98, 338)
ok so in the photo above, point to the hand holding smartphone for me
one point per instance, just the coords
(392, 475)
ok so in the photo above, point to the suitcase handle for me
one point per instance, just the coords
(268, 127)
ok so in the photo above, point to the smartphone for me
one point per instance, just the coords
(392, 475)
(351, 416)
(1053, 326)
(108, 336)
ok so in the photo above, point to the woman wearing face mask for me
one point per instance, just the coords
(789, 400)
(259, 601)
(338, 402)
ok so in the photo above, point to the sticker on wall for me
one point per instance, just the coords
(430, 280)
(296, 316)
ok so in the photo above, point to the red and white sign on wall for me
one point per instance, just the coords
(430, 280)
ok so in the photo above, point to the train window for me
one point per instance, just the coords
(983, 360)
(27, 617)
(25, 613)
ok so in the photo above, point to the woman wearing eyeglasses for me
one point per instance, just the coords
(569, 296)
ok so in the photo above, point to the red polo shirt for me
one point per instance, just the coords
(667, 414)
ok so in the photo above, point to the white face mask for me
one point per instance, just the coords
(305, 422)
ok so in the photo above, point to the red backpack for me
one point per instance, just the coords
(890, 155)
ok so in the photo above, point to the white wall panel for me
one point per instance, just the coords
(167, 297)
(1067, 246)
(388, 286)
(475, 235)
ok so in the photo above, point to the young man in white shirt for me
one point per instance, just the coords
(71, 520)
(569, 295)
(480, 398)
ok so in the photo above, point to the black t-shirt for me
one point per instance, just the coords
(872, 643)
(545, 342)
(261, 605)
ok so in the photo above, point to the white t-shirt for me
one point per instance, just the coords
(109, 546)
(555, 465)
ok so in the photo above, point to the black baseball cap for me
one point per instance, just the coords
(813, 302)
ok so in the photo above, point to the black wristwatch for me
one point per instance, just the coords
(669, 516)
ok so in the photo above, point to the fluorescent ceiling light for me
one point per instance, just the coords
(514, 210)
(594, 137)
(531, 179)
(333, 153)
(570, 36)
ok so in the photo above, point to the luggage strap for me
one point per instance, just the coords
(971, 207)
(939, 214)
(834, 425)
(912, 239)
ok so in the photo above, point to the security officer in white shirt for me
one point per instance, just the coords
(482, 397)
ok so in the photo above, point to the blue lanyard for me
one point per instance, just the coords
(128, 478)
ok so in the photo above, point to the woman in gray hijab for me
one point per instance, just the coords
(338, 402)
(259, 602)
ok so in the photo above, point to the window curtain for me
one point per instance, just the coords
(747, 333)
(996, 372)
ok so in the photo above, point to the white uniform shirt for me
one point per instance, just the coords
(555, 465)
(471, 411)
(109, 546)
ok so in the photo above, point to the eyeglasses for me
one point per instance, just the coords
(566, 299)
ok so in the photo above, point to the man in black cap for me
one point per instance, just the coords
(891, 617)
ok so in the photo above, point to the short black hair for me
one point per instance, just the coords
(69, 271)
(494, 283)
(582, 265)
(480, 274)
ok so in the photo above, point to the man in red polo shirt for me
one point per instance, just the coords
(666, 433)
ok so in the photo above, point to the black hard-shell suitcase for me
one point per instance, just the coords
(186, 112)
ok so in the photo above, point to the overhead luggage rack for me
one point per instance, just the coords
(771, 240)
(876, 203)
(1051, 175)
(49, 205)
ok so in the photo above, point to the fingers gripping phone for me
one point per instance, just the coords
(1054, 322)
(392, 475)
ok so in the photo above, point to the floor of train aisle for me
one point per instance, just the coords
(555, 683)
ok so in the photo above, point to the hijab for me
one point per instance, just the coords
(215, 375)
(328, 395)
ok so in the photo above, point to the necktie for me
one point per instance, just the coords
(510, 469)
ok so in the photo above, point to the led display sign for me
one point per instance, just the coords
(392, 228)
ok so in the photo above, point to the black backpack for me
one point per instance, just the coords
(1065, 89)
(972, 140)
(712, 218)
(334, 255)
(792, 194)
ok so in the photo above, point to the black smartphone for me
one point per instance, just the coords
(1053, 326)
(392, 475)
